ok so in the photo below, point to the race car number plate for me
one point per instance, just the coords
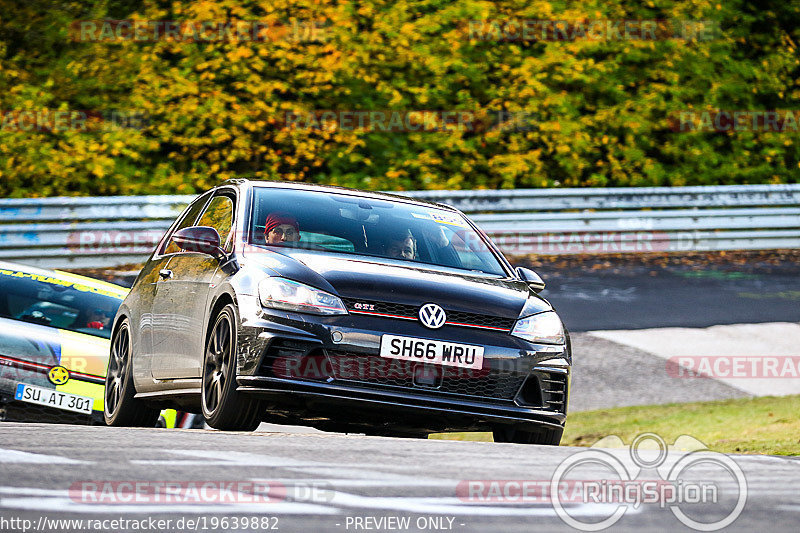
(433, 352)
(54, 398)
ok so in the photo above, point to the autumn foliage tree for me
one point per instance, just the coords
(215, 109)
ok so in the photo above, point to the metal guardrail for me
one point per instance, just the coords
(114, 231)
(85, 232)
(517, 200)
(16, 210)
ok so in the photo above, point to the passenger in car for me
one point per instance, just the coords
(97, 319)
(280, 228)
(401, 245)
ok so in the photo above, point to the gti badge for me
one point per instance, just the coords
(364, 307)
(432, 316)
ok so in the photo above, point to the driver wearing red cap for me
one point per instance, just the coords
(280, 228)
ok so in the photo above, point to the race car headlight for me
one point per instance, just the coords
(543, 327)
(280, 293)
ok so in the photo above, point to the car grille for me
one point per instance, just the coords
(487, 384)
(411, 312)
(290, 359)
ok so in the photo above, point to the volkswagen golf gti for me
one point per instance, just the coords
(339, 309)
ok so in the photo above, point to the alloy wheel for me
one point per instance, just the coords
(216, 370)
(117, 368)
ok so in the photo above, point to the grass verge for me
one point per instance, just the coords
(765, 425)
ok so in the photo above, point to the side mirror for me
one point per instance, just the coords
(202, 239)
(530, 277)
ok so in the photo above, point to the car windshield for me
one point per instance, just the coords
(345, 224)
(58, 303)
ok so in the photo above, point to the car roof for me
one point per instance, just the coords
(340, 190)
(67, 276)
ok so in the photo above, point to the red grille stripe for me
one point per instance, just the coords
(20, 362)
(477, 326)
(383, 314)
(44, 369)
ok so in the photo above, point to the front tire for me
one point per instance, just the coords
(223, 407)
(120, 407)
(544, 436)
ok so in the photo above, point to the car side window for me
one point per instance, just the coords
(219, 215)
(187, 221)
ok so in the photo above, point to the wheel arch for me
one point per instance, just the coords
(221, 300)
(122, 314)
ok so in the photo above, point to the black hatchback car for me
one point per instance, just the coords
(339, 309)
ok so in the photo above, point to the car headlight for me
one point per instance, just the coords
(280, 293)
(543, 327)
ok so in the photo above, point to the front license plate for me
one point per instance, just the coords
(54, 398)
(433, 352)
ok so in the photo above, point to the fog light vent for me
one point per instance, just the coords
(546, 390)
(531, 394)
(286, 356)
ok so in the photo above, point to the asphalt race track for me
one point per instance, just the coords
(288, 479)
(333, 482)
(639, 297)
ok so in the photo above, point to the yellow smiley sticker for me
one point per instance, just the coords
(58, 375)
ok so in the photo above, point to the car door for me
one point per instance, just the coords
(142, 322)
(156, 322)
(182, 297)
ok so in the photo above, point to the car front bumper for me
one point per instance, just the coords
(517, 387)
(393, 408)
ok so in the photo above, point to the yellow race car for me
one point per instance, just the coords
(54, 345)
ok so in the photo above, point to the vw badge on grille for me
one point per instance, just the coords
(432, 316)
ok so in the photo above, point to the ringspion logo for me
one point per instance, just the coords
(626, 481)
